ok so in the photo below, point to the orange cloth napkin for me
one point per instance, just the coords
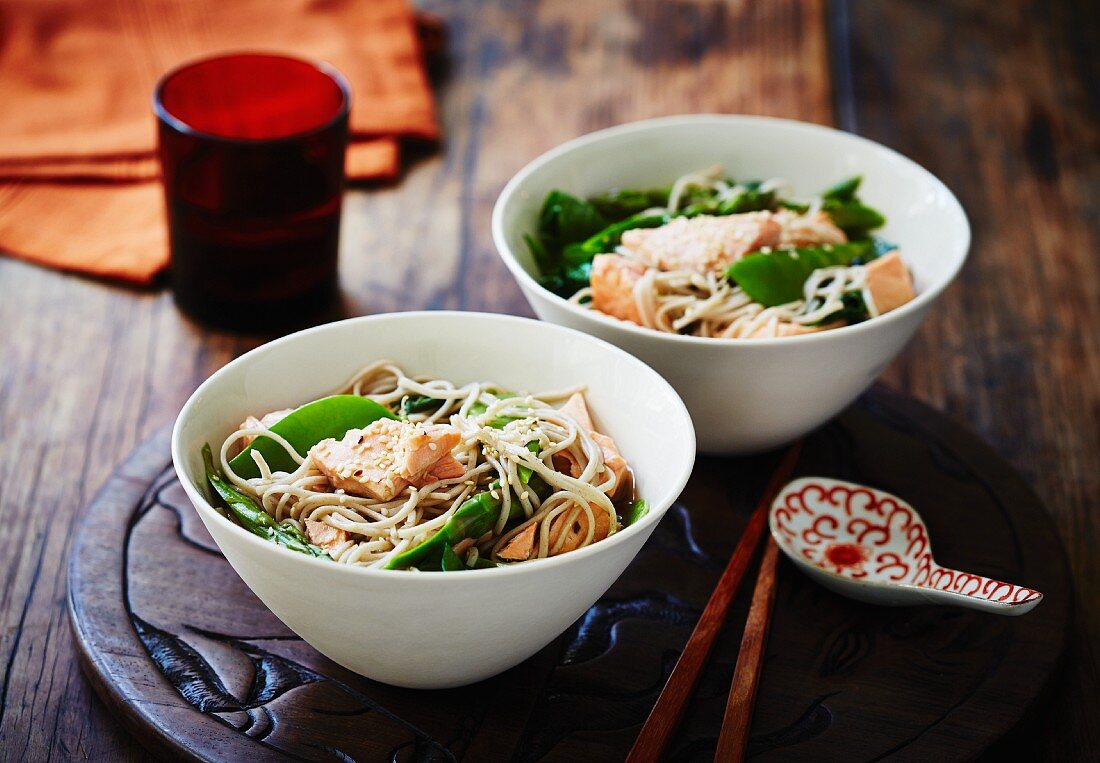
(78, 171)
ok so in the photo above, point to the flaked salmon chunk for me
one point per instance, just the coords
(612, 281)
(520, 547)
(807, 230)
(703, 244)
(577, 408)
(325, 535)
(383, 459)
(889, 282)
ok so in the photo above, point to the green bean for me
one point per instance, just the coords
(252, 517)
(475, 517)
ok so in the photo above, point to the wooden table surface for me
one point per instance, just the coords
(999, 100)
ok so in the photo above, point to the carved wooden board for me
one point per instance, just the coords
(195, 665)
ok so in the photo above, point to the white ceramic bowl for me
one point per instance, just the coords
(748, 395)
(439, 629)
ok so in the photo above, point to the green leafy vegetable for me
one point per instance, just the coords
(751, 200)
(305, 427)
(853, 310)
(845, 190)
(565, 219)
(572, 231)
(608, 238)
(620, 203)
(852, 217)
(543, 258)
(635, 511)
(252, 517)
(451, 561)
(842, 205)
(882, 246)
(776, 278)
(418, 404)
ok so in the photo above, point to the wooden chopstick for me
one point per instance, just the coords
(746, 675)
(669, 709)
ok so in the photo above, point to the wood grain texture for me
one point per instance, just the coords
(672, 702)
(1001, 103)
(734, 738)
(997, 99)
(222, 679)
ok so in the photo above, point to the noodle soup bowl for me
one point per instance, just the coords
(747, 395)
(438, 629)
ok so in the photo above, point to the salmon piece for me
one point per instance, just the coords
(383, 459)
(325, 535)
(577, 530)
(889, 282)
(577, 408)
(566, 463)
(704, 244)
(612, 280)
(268, 420)
(614, 461)
(807, 230)
(446, 468)
(521, 547)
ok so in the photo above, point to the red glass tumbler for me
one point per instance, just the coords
(251, 149)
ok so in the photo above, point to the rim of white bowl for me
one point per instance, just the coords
(656, 512)
(793, 125)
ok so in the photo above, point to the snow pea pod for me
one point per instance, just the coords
(776, 278)
(525, 472)
(475, 517)
(852, 217)
(305, 427)
(845, 190)
(253, 518)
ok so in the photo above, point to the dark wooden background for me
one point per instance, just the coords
(998, 99)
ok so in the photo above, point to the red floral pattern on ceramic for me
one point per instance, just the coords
(873, 546)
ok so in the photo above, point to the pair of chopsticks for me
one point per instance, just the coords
(670, 706)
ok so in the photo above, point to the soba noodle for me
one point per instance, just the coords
(676, 277)
(497, 431)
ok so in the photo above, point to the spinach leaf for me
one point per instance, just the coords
(776, 278)
(608, 238)
(882, 246)
(620, 203)
(845, 190)
(545, 261)
(842, 204)
(451, 561)
(750, 200)
(328, 417)
(794, 206)
(635, 511)
(852, 217)
(854, 310)
(418, 404)
(565, 219)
